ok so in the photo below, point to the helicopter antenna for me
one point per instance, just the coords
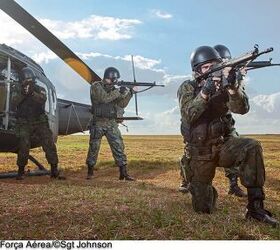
(134, 79)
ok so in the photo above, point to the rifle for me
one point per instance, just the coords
(261, 64)
(148, 85)
(236, 63)
(130, 85)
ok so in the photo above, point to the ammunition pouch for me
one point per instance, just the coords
(199, 134)
(216, 129)
(106, 110)
(201, 153)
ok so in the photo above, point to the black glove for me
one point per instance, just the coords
(123, 89)
(230, 81)
(209, 87)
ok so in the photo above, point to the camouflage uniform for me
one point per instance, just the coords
(213, 142)
(32, 126)
(106, 101)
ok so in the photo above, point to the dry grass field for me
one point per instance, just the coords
(106, 208)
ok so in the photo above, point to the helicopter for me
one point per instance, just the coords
(65, 117)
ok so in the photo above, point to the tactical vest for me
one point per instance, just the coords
(103, 110)
(215, 123)
(29, 109)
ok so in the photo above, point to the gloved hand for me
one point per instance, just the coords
(209, 87)
(229, 78)
(123, 89)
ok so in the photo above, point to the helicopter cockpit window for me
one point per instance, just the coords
(47, 104)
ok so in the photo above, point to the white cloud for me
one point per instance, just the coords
(11, 32)
(94, 27)
(139, 61)
(161, 14)
(44, 57)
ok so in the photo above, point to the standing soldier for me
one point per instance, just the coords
(32, 122)
(106, 102)
(204, 107)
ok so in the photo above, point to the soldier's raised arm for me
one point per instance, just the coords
(99, 94)
(191, 105)
(39, 95)
(17, 96)
(238, 100)
(124, 98)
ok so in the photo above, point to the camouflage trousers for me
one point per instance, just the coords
(39, 133)
(244, 153)
(114, 138)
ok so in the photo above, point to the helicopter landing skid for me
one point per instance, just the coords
(39, 172)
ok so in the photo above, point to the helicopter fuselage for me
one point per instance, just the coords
(65, 117)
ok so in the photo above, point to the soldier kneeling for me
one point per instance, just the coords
(205, 109)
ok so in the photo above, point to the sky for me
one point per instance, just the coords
(161, 35)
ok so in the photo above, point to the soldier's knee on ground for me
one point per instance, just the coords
(204, 197)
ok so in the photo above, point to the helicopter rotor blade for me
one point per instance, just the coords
(21, 16)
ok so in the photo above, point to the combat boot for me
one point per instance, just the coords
(124, 175)
(20, 175)
(55, 173)
(255, 208)
(90, 172)
(234, 188)
(184, 187)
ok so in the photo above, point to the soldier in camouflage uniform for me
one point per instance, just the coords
(205, 109)
(232, 172)
(32, 123)
(106, 101)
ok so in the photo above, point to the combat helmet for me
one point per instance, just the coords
(111, 73)
(27, 73)
(223, 51)
(203, 54)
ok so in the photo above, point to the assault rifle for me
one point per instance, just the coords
(261, 64)
(130, 85)
(238, 62)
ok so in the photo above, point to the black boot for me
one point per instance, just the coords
(234, 188)
(90, 172)
(20, 175)
(184, 187)
(255, 207)
(55, 173)
(124, 175)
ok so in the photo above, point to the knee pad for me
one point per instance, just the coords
(204, 197)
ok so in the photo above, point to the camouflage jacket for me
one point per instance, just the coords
(30, 107)
(195, 110)
(106, 98)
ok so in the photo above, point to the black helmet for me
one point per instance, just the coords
(203, 54)
(111, 73)
(27, 74)
(223, 51)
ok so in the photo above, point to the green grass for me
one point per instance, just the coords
(105, 208)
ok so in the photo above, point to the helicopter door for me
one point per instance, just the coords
(8, 79)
